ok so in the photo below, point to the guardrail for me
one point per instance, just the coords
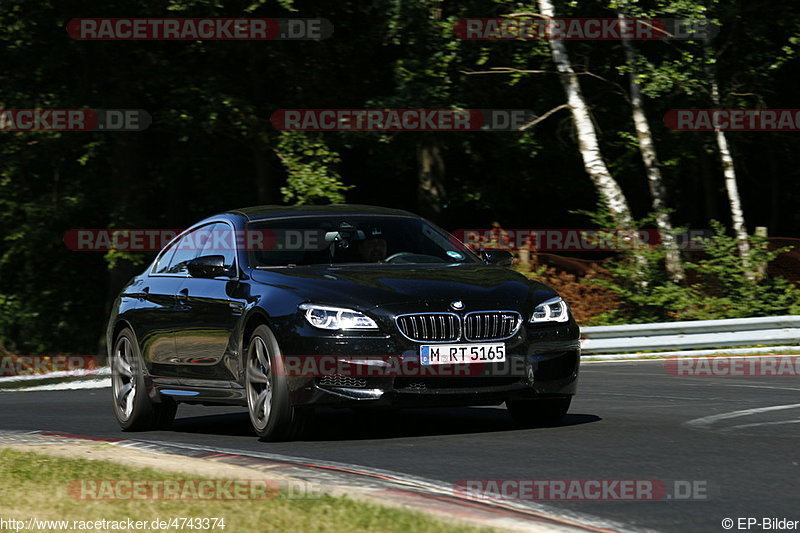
(691, 335)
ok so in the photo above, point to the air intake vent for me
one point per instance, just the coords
(491, 325)
(342, 381)
(430, 327)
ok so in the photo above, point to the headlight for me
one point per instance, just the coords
(324, 317)
(552, 310)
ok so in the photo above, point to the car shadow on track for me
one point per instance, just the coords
(346, 424)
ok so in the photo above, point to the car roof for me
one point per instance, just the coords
(275, 211)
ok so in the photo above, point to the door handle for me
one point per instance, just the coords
(182, 295)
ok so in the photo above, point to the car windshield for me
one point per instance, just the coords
(326, 240)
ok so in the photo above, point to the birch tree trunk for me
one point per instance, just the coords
(588, 145)
(729, 173)
(647, 148)
(607, 187)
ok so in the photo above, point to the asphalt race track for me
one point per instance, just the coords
(629, 421)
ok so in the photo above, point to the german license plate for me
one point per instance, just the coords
(444, 354)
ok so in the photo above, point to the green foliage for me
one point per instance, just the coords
(310, 165)
(717, 287)
(13, 314)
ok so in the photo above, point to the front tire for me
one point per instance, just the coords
(271, 414)
(543, 412)
(133, 408)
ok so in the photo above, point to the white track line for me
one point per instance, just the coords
(776, 423)
(706, 421)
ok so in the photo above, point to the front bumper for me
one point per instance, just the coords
(380, 370)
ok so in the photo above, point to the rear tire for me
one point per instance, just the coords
(133, 408)
(271, 414)
(538, 413)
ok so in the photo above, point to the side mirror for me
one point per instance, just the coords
(207, 266)
(502, 258)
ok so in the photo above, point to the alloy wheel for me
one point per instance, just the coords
(259, 382)
(123, 378)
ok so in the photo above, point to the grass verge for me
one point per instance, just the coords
(37, 485)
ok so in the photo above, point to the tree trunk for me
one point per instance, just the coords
(430, 184)
(647, 148)
(761, 268)
(588, 145)
(607, 187)
(729, 172)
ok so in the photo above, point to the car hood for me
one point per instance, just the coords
(370, 286)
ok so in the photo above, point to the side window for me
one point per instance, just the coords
(163, 261)
(187, 249)
(222, 242)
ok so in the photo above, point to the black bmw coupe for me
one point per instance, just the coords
(283, 309)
